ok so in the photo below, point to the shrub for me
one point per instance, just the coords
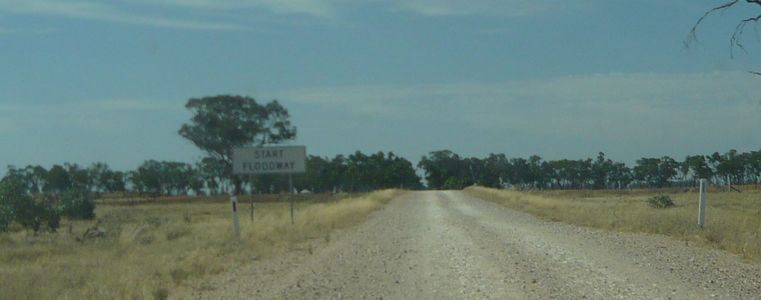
(660, 201)
(6, 216)
(77, 205)
(454, 183)
(6, 207)
(17, 205)
(34, 213)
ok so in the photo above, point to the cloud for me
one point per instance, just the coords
(508, 8)
(194, 14)
(319, 8)
(105, 11)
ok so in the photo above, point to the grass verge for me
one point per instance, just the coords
(733, 220)
(154, 251)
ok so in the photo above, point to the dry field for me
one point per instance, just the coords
(733, 220)
(164, 250)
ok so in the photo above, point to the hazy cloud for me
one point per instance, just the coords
(320, 8)
(105, 11)
(144, 12)
(509, 8)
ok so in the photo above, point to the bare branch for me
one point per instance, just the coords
(692, 37)
(735, 40)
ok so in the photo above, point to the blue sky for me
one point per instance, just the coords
(88, 80)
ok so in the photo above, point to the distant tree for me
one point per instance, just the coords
(696, 167)
(37, 177)
(440, 166)
(147, 178)
(212, 171)
(80, 178)
(401, 173)
(58, 180)
(495, 171)
(602, 170)
(221, 123)
(656, 172)
(115, 181)
(99, 174)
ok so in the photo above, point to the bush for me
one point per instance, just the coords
(34, 213)
(6, 216)
(17, 205)
(12, 195)
(660, 201)
(77, 205)
(454, 183)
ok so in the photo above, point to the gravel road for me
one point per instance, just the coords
(449, 245)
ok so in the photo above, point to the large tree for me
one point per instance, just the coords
(221, 123)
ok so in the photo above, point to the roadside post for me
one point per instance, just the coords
(702, 203)
(251, 199)
(236, 221)
(290, 193)
(271, 160)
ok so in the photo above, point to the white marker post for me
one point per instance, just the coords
(236, 222)
(702, 203)
(290, 193)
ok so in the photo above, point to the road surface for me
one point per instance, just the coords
(449, 245)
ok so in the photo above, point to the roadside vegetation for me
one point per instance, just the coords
(733, 220)
(447, 170)
(164, 249)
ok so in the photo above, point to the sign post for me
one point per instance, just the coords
(702, 204)
(290, 193)
(271, 160)
(236, 221)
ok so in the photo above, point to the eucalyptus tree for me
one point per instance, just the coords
(221, 123)
(443, 166)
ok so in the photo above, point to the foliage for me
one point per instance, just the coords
(660, 201)
(364, 172)
(357, 172)
(441, 166)
(454, 183)
(34, 213)
(77, 205)
(221, 123)
(7, 199)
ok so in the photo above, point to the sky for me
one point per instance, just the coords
(85, 80)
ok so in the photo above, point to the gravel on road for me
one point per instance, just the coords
(449, 245)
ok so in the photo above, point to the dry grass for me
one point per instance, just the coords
(733, 220)
(158, 250)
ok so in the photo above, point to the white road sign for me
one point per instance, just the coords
(269, 160)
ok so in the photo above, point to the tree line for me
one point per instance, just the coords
(357, 172)
(445, 169)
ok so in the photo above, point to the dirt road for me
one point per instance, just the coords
(449, 245)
